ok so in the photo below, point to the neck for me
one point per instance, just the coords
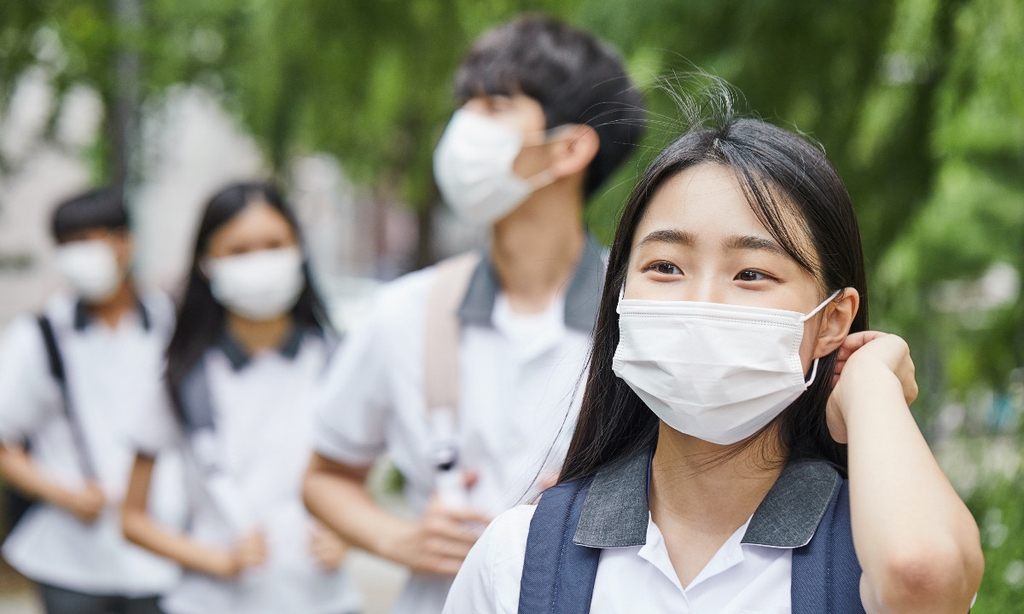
(710, 486)
(256, 335)
(535, 248)
(111, 310)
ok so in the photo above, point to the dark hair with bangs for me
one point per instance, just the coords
(781, 174)
(575, 77)
(102, 208)
(200, 318)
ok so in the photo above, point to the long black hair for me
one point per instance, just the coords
(780, 173)
(200, 317)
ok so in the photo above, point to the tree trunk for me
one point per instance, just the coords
(123, 122)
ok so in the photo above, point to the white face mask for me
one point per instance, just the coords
(91, 268)
(259, 285)
(717, 372)
(473, 168)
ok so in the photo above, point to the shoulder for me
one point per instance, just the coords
(397, 309)
(407, 292)
(159, 308)
(489, 580)
(59, 309)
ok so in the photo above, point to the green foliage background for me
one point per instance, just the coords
(919, 103)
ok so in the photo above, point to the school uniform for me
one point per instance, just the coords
(520, 383)
(111, 374)
(244, 468)
(794, 554)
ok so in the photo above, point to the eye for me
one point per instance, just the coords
(663, 267)
(751, 275)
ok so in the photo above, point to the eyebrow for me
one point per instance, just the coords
(677, 237)
(750, 242)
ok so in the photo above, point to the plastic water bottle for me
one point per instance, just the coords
(449, 479)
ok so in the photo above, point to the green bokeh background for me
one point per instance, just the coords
(919, 103)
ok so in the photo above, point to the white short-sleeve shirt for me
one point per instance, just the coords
(246, 474)
(521, 382)
(750, 572)
(112, 375)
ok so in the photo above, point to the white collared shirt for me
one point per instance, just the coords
(739, 578)
(112, 374)
(261, 443)
(521, 382)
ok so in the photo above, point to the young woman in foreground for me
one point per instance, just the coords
(733, 388)
(248, 352)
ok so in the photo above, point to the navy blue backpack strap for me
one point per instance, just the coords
(558, 575)
(826, 573)
(196, 399)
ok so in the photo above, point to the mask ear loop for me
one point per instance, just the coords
(814, 364)
(814, 373)
(820, 306)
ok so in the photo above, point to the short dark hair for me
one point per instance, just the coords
(780, 173)
(200, 318)
(576, 78)
(99, 208)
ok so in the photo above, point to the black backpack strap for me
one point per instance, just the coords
(826, 573)
(59, 374)
(558, 575)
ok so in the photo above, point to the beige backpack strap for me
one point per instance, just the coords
(443, 331)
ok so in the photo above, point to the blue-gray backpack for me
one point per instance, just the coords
(558, 574)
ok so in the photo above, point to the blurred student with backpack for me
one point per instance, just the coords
(465, 372)
(72, 380)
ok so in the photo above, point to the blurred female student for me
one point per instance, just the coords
(250, 346)
(733, 387)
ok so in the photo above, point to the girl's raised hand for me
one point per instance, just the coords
(864, 360)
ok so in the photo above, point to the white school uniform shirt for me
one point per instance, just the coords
(521, 379)
(246, 474)
(112, 374)
(751, 572)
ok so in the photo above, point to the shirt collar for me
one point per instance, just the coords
(581, 299)
(616, 511)
(240, 358)
(83, 316)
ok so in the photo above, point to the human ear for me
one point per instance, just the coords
(575, 150)
(836, 322)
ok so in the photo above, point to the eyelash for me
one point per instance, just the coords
(654, 266)
(764, 276)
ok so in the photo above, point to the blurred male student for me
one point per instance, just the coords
(467, 372)
(71, 380)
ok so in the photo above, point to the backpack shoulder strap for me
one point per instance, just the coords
(56, 363)
(196, 400)
(558, 575)
(826, 573)
(443, 331)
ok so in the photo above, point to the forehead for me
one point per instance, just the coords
(708, 201)
(516, 110)
(702, 199)
(255, 220)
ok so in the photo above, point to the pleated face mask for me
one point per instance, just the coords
(716, 372)
(473, 168)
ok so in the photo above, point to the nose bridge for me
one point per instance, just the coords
(705, 286)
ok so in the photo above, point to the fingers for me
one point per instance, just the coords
(445, 537)
(252, 550)
(467, 516)
(328, 548)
